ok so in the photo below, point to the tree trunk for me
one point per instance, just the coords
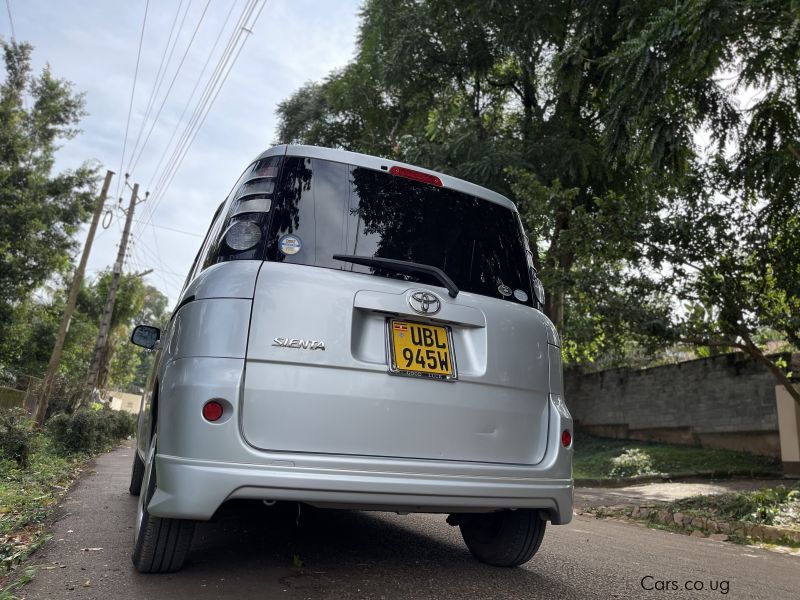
(554, 306)
(756, 353)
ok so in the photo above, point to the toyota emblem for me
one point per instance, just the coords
(425, 303)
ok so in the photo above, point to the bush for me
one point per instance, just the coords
(88, 430)
(16, 434)
(631, 463)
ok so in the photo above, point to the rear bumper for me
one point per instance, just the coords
(194, 489)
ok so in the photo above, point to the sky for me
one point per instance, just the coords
(94, 44)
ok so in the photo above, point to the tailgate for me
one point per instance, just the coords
(342, 400)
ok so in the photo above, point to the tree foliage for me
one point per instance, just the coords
(506, 95)
(727, 244)
(35, 321)
(651, 147)
(40, 211)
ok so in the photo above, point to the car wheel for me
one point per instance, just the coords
(137, 474)
(503, 539)
(160, 545)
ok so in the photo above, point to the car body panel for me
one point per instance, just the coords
(332, 427)
(495, 412)
(383, 164)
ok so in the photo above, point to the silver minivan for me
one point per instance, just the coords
(356, 333)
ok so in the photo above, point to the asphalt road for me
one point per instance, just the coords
(248, 551)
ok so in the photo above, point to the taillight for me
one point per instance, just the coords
(416, 175)
(251, 205)
(242, 235)
(566, 438)
(212, 411)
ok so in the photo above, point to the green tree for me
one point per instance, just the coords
(130, 365)
(588, 114)
(136, 302)
(26, 350)
(727, 243)
(505, 94)
(40, 211)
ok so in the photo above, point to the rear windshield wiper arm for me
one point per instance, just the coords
(403, 266)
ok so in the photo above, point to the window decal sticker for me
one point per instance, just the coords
(290, 245)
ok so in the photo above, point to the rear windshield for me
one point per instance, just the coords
(324, 208)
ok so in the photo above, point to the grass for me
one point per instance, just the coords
(603, 458)
(28, 497)
(766, 506)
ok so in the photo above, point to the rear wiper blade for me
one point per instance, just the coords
(403, 266)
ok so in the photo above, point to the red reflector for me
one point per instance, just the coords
(566, 438)
(416, 175)
(212, 410)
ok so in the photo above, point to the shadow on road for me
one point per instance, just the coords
(344, 554)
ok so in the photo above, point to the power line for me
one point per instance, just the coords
(151, 258)
(11, 21)
(193, 120)
(165, 60)
(172, 83)
(191, 95)
(211, 93)
(133, 91)
(183, 231)
(223, 60)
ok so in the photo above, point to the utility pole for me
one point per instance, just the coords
(75, 287)
(108, 311)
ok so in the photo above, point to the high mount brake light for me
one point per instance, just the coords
(416, 175)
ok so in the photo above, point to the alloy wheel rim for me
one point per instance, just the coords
(148, 469)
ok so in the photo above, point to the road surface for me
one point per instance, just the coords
(250, 551)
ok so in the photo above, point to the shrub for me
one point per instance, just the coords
(16, 434)
(632, 462)
(88, 430)
(768, 506)
(124, 424)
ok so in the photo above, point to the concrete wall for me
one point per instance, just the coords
(124, 401)
(11, 398)
(725, 401)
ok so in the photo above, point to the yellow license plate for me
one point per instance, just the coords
(421, 350)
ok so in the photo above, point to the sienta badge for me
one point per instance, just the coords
(290, 245)
(504, 290)
(521, 295)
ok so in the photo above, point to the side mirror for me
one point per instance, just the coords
(146, 336)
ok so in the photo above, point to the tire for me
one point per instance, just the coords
(160, 545)
(137, 474)
(503, 539)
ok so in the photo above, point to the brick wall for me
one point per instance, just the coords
(725, 401)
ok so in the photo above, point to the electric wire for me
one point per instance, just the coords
(174, 229)
(172, 83)
(166, 58)
(210, 84)
(130, 104)
(202, 103)
(11, 21)
(192, 120)
(151, 259)
(205, 107)
(158, 253)
(191, 95)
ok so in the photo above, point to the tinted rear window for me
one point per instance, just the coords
(334, 208)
